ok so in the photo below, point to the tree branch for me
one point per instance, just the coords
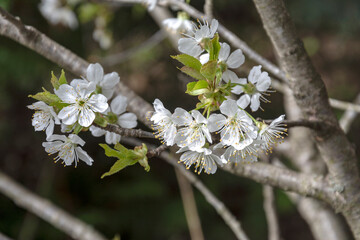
(208, 9)
(349, 116)
(311, 96)
(127, 132)
(47, 210)
(270, 213)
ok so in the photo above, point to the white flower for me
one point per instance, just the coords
(192, 44)
(181, 24)
(55, 13)
(247, 154)
(107, 82)
(195, 131)
(234, 129)
(165, 128)
(226, 61)
(151, 4)
(82, 103)
(254, 89)
(202, 158)
(68, 149)
(272, 134)
(125, 120)
(44, 117)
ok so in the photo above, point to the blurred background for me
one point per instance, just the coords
(133, 203)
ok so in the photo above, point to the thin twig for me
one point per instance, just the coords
(127, 132)
(46, 210)
(220, 208)
(349, 116)
(121, 57)
(156, 151)
(191, 212)
(208, 9)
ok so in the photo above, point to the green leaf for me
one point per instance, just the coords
(192, 73)
(114, 153)
(77, 128)
(46, 96)
(208, 70)
(214, 48)
(188, 61)
(119, 165)
(197, 88)
(57, 82)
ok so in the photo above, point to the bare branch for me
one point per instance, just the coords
(3, 237)
(208, 9)
(191, 212)
(270, 213)
(288, 180)
(121, 57)
(127, 132)
(47, 210)
(156, 151)
(311, 96)
(349, 116)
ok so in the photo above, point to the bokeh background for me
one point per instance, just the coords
(133, 203)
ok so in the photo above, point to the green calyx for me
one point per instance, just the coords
(249, 88)
(112, 118)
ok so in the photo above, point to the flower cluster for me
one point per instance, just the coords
(242, 137)
(76, 107)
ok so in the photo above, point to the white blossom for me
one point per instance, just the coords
(254, 88)
(164, 126)
(202, 158)
(272, 134)
(226, 61)
(55, 13)
(107, 82)
(195, 131)
(82, 103)
(244, 154)
(67, 148)
(192, 45)
(125, 120)
(181, 24)
(44, 117)
(235, 128)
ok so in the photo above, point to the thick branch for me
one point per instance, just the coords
(127, 132)
(47, 211)
(288, 180)
(311, 96)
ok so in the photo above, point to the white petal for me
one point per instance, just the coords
(170, 135)
(76, 139)
(97, 132)
(112, 138)
(127, 120)
(224, 52)
(254, 74)
(84, 90)
(57, 137)
(277, 120)
(108, 93)
(95, 73)
(50, 129)
(86, 117)
(118, 105)
(84, 156)
(238, 89)
(69, 115)
(110, 80)
(40, 105)
(98, 103)
(204, 58)
(66, 93)
(229, 108)
(76, 82)
(236, 59)
(264, 82)
(229, 75)
(199, 118)
(206, 132)
(243, 101)
(213, 27)
(255, 102)
(181, 117)
(216, 122)
(190, 47)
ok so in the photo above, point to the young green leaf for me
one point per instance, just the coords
(57, 82)
(192, 73)
(119, 165)
(214, 48)
(188, 61)
(208, 70)
(46, 96)
(197, 88)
